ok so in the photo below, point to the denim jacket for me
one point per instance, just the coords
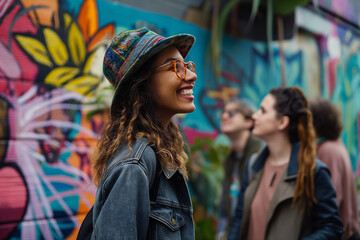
(123, 209)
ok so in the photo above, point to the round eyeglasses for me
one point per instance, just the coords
(233, 112)
(179, 68)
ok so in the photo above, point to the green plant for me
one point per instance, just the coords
(205, 176)
(275, 8)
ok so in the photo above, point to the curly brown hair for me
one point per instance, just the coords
(134, 118)
(326, 118)
(291, 102)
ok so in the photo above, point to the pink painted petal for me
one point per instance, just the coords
(4, 5)
(9, 67)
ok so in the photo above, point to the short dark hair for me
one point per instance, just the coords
(245, 107)
(326, 118)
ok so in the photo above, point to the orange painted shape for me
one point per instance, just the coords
(43, 16)
(88, 19)
(105, 33)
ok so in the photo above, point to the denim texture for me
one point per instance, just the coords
(122, 208)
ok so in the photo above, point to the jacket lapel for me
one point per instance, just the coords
(286, 186)
(249, 197)
(284, 191)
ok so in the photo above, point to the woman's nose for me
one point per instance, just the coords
(190, 76)
(254, 115)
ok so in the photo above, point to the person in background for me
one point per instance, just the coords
(332, 151)
(286, 193)
(152, 84)
(236, 124)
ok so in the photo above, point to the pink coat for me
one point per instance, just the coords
(336, 157)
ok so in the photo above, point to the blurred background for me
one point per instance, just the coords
(54, 97)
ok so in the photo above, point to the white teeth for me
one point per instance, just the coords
(186, 92)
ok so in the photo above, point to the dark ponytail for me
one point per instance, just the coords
(291, 102)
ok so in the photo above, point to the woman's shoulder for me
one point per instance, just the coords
(141, 156)
(148, 159)
(125, 155)
(320, 166)
(322, 172)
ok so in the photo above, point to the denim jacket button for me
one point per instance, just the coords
(173, 221)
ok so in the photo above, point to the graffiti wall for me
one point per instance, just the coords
(49, 76)
(347, 9)
(53, 96)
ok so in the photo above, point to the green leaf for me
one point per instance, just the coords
(285, 7)
(254, 10)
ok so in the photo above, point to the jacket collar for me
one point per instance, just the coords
(293, 167)
(137, 148)
(170, 172)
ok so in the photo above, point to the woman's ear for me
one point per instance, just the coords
(249, 123)
(284, 122)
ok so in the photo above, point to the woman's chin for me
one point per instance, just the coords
(256, 133)
(188, 109)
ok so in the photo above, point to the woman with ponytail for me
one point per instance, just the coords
(286, 193)
(139, 163)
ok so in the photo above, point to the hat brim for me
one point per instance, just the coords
(183, 42)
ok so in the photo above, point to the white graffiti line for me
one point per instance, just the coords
(34, 136)
(55, 193)
(38, 203)
(29, 230)
(75, 171)
(59, 106)
(5, 6)
(80, 149)
(65, 179)
(58, 196)
(27, 110)
(39, 157)
(71, 148)
(28, 95)
(53, 94)
(73, 192)
(61, 124)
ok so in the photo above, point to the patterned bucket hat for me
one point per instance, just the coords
(129, 50)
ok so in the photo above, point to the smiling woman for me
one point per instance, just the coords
(171, 84)
(139, 164)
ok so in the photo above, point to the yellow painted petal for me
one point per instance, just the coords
(88, 62)
(76, 44)
(83, 84)
(61, 76)
(56, 47)
(35, 49)
(67, 20)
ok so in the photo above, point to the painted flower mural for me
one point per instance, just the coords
(50, 80)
